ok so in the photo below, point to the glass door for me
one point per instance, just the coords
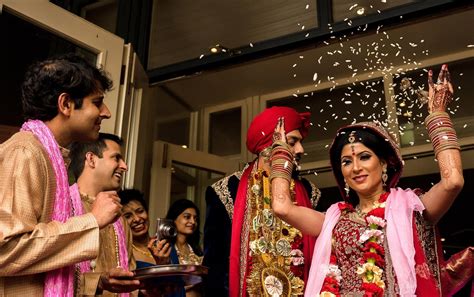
(179, 172)
(36, 30)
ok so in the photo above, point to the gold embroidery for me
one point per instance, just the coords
(423, 270)
(270, 251)
(221, 187)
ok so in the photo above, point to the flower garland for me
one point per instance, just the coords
(372, 261)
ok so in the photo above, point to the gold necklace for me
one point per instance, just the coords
(188, 258)
(359, 211)
(147, 253)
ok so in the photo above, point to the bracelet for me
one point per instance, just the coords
(281, 161)
(441, 132)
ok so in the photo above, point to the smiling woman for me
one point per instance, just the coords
(135, 212)
(185, 248)
(381, 241)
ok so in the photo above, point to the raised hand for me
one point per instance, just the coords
(160, 250)
(279, 134)
(441, 93)
(106, 208)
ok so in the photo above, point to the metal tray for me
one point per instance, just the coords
(182, 274)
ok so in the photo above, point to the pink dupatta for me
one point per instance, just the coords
(399, 210)
(59, 282)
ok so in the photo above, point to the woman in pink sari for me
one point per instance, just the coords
(381, 240)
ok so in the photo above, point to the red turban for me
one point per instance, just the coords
(260, 132)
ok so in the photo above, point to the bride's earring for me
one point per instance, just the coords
(346, 188)
(384, 176)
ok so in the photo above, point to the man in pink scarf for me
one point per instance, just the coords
(41, 239)
(226, 231)
(99, 167)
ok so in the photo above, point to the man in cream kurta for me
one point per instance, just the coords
(99, 167)
(30, 243)
(59, 111)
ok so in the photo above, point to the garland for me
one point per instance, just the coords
(372, 261)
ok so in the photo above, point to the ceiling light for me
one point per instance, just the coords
(218, 49)
(360, 11)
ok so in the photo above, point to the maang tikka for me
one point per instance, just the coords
(351, 140)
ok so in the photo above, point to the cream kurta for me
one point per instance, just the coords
(108, 254)
(30, 243)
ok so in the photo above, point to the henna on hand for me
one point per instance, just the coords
(448, 164)
(441, 93)
(279, 133)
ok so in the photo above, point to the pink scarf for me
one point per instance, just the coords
(119, 230)
(59, 282)
(399, 210)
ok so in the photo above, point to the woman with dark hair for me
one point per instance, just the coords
(185, 215)
(135, 212)
(381, 240)
(185, 249)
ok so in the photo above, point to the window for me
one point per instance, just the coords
(184, 30)
(225, 132)
(175, 131)
(411, 115)
(344, 10)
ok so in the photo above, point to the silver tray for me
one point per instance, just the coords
(173, 273)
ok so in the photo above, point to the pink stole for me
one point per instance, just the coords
(59, 282)
(119, 230)
(399, 210)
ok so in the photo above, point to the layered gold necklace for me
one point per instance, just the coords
(188, 257)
